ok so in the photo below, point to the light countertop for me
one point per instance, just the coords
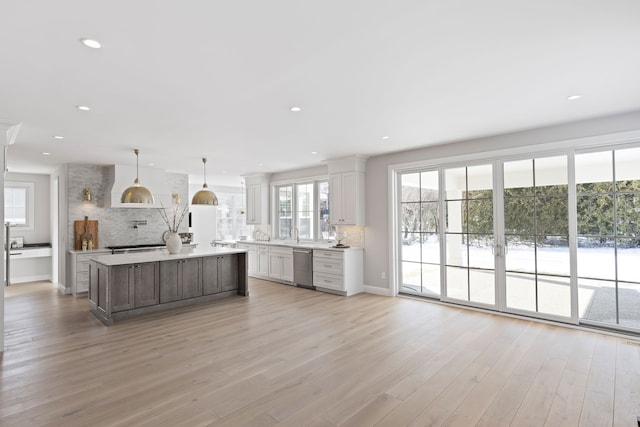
(142, 257)
(302, 244)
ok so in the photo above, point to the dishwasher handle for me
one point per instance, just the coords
(302, 251)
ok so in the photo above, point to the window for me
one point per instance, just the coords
(231, 218)
(304, 206)
(19, 204)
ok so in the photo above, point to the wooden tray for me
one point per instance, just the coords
(79, 226)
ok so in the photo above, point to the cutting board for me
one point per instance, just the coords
(79, 229)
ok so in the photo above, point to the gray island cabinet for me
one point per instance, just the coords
(126, 285)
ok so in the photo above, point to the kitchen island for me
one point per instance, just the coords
(127, 285)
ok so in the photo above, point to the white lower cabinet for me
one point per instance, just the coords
(281, 263)
(252, 258)
(338, 272)
(263, 261)
(79, 269)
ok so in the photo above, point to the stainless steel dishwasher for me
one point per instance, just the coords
(303, 268)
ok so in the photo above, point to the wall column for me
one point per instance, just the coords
(8, 133)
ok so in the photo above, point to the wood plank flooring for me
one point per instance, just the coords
(294, 357)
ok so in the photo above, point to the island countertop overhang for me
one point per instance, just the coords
(143, 257)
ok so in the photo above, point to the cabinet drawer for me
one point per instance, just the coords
(329, 281)
(280, 250)
(82, 277)
(327, 254)
(248, 247)
(82, 266)
(327, 265)
(82, 287)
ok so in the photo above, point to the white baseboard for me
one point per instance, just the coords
(63, 290)
(378, 291)
(25, 279)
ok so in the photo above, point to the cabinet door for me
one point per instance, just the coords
(275, 266)
(253, 202)
(263, 263)
(287, 268)
(210, 282)
(335, 199)
(191, 279)
(349, 197)
(252, 257)
(93, 283)
(122, 293)
(228, 272)
(146, 284)
(170, 281)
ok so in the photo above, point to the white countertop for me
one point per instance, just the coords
(303, 244)
(141, 257)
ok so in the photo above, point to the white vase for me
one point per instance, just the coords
(174, 243)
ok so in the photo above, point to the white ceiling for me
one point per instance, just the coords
(186, 79)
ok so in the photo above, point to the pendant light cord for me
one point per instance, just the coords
(204, 162)
(137, 181)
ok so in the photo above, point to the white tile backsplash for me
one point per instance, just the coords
(115, 225)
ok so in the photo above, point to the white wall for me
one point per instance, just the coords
(41, 232)
(377, 255)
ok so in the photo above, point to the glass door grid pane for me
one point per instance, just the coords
(469, 235)
(536, 221)
(608, 212)
(419, 233)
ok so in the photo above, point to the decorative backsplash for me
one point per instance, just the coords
(354, 235)
(116, 225)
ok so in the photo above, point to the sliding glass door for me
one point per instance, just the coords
(505, 240)
(555, 237)
(469, 235)
(420, 233)
(608, 254)
(536, 232)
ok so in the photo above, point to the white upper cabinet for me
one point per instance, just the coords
(346, 191)
(257, 202)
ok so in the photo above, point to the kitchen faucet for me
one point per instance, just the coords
(297, 230)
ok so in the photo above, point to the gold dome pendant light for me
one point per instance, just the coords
(205, 196)
(136, 193)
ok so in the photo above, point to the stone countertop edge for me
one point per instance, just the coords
(142, 257)
(321, 246)
(105, 250)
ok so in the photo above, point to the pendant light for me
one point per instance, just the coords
(205, 196)
(136, 193)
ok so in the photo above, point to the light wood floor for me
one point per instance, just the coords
(295, 357)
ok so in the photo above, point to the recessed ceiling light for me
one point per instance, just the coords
(58, 137)
(295, 109)
(44, 153)
(260, 164)
(93, 44)
(314, 152)
(151, 164)
(386, 137)
(83, 108)
(574, 97)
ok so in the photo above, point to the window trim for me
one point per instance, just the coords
(275, 185)
(30, 203)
